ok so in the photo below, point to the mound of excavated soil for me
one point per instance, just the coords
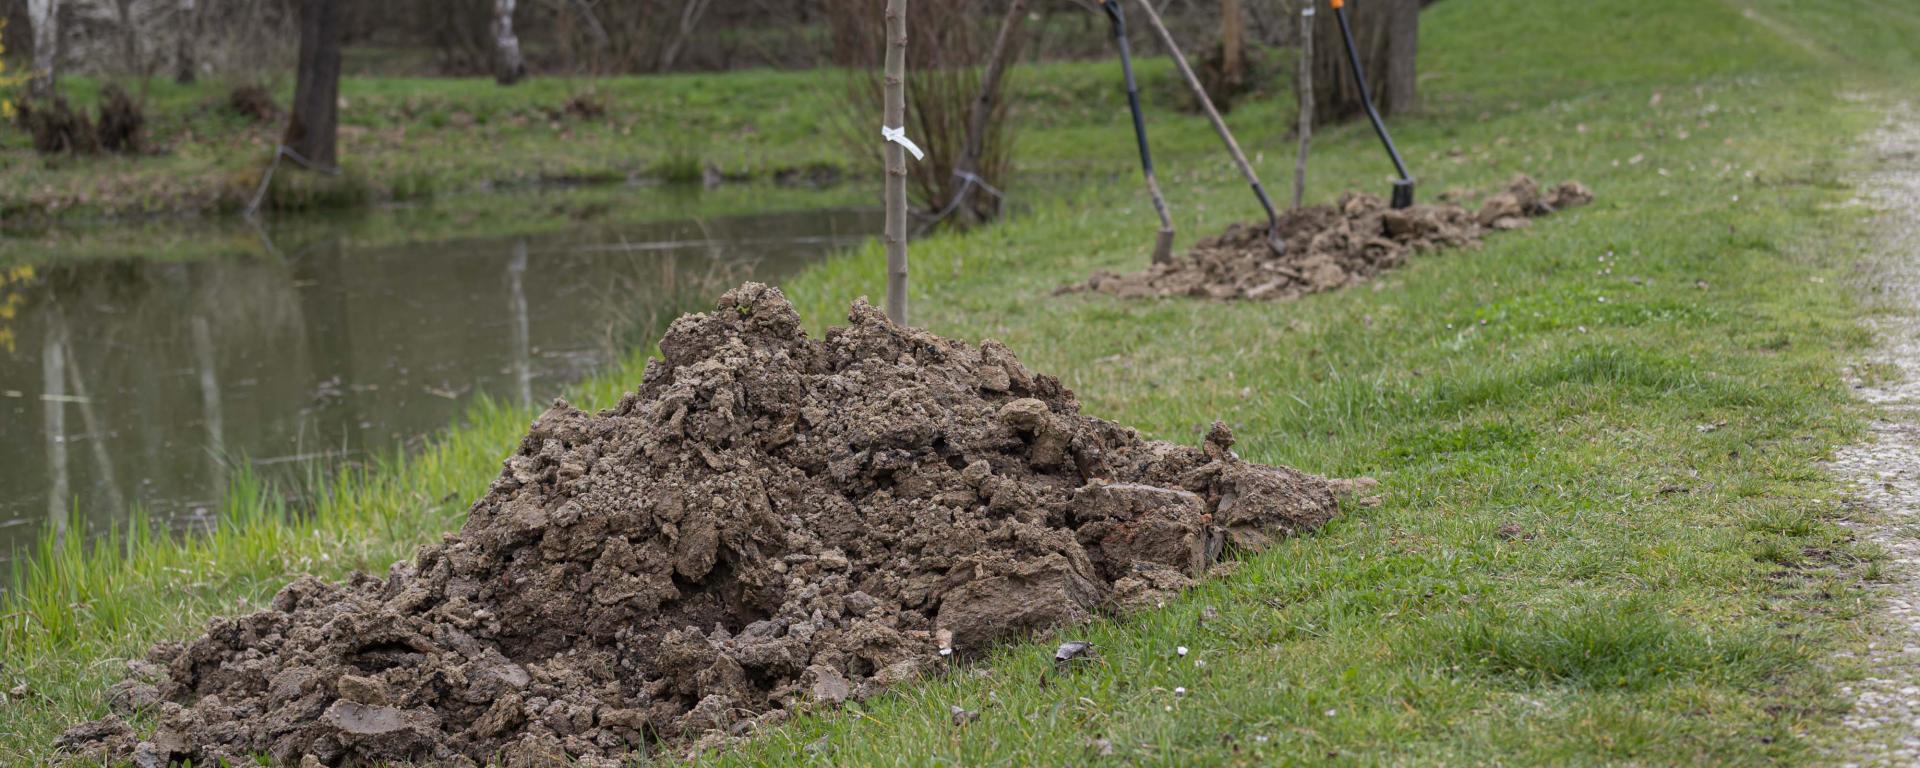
(770, 522)
(1331, 246)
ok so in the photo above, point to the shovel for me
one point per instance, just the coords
(1403, 186)
(1163, 245)
(1274, 242)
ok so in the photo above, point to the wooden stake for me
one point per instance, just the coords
(894, 115)
(1305, 87)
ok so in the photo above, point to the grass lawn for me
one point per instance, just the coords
(1606, 537)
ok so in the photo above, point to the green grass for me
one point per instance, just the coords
(407, 138)
(1566, 569)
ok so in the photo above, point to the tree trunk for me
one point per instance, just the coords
(1233, 51)
(314, 123)
(508, 67)
(894, 116)
(1403, 49)
(130, 34)
(1386, 36)
(184, 63)
(44, 15)
(1304, 89)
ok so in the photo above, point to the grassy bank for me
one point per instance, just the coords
(409, 139)
(1605, 535)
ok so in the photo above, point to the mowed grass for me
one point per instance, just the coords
(1605, 536)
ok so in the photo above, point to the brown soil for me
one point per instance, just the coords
(1331, 246)
(769, 523)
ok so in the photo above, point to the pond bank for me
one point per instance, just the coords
(144, 381)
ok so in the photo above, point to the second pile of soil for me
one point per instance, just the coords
(769, 523)
(1331, 246)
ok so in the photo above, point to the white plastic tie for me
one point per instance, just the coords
(899, 136)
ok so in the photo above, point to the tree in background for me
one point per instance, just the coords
(44, 15)
(1233, 47)
(1386, 35)
(314, 123)
(186, 36)
(508, 67)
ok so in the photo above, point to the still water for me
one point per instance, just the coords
(136, 381)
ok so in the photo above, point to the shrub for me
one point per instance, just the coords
(951, 42)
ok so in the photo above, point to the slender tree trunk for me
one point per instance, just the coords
(1006, 49)
(314, 123)
(1233, 51)
(44, 15)
(1385, 35)
(130, 35)
(690, 13)
(894, 116)
(508, 67)
(1305, 91)
(185, 63)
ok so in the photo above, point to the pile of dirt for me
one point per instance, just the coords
(769, 523)
(1331, 246)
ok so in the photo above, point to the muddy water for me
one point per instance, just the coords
(129, 381)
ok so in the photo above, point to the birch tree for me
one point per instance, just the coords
(44, 15)
(508, 67)
(187, 37)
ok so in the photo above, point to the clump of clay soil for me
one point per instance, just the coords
(1332, 246)
(769, 523)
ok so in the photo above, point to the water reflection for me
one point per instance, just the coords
(149, 379)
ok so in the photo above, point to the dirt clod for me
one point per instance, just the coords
(1332, 246)
(769, 523)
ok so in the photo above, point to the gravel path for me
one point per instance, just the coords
(1885, 469)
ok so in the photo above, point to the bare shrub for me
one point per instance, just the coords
(56, 127)
(948, 44)
(122, 126)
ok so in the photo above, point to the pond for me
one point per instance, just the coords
(150, 380)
